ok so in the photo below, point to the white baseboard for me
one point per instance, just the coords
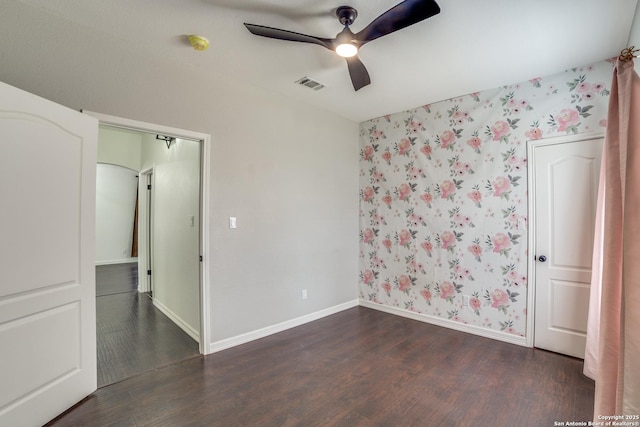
(446, 323)
(438, 321)
(117, 261)
(279, 327)
(177, 320)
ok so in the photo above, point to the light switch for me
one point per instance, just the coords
(233, 222)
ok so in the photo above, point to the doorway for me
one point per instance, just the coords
(181, 220)
(563, 190)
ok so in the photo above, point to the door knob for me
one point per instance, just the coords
(542, 258)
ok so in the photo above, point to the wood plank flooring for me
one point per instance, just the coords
(116, 278)
(132, 335)
(359, 367)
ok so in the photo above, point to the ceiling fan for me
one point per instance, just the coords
(347, 44)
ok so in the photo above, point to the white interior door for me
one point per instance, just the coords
(47, 252)
(566, 189)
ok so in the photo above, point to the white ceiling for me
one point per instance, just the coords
(470, 46)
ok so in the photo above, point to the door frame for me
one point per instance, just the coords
(531, 233)
(144, 226)
(205, 179)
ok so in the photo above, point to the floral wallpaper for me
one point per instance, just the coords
(443, 196)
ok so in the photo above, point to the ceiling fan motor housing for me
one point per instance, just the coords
(346, 15)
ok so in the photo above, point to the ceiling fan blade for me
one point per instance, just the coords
(276, 33)
(359, 75)
(398, 17)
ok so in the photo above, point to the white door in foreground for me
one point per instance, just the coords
(566, 191)
(47, 252)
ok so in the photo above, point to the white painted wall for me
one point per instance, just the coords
(287, 171)
(120, 147)
(116, 189)
(115, 197)
(176, 238)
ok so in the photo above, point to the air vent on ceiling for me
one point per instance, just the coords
(310, 83)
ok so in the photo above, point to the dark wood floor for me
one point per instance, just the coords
(359, 367)
(132, 335)
(116, 278)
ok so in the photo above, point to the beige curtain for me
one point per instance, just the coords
(613, 340)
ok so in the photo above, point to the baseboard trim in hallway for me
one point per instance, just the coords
(177, 320)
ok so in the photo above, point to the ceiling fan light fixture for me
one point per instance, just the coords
(346, 50)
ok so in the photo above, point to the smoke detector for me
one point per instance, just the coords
(198, 42)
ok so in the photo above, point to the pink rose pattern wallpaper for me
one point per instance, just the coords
(443, 196)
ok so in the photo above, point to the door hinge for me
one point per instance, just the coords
(148, 186)
(200, 258)
(148, 272)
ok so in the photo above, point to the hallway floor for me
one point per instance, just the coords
(132, 335)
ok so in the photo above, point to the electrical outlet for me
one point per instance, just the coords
(304, 294)
(233, 222)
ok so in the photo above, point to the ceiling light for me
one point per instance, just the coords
(346, 50)
(199, 42)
